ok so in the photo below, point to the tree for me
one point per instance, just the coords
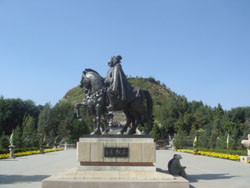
(218, 112)
(18, 137)
(60, 118)
(2, 104)
(12, 112)
(155, 132)
(43, 123)
(204, 136)
(29, 131)
(237, 115)
(4, 142)
(215, 133)
(180, 140)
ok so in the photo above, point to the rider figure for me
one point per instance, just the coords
(118, 87)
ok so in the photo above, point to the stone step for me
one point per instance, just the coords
(124, 179)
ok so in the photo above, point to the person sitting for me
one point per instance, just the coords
(170, 162)
(175, 167)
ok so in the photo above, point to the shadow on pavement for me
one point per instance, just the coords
(196, 178)
(8, 179)
(9, 160)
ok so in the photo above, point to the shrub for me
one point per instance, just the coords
(180, 140)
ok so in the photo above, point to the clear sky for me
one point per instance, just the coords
(199, 49)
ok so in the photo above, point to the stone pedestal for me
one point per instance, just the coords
(246, 143)
(244, 159)
(116, 153)
(115, 161)
(11, 149)
(65, 146)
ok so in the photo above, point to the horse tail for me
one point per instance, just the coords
(149, 109)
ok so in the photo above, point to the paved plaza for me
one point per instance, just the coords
(203, 172)
(208, 172)
(28, 171)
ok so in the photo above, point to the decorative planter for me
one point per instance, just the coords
(196, 151)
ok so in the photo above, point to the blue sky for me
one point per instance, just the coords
(199, 49)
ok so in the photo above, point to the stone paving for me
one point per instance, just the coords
(28, 171)
(203, 172)
(208, 172)
(114, 175)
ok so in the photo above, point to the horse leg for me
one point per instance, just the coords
(106, 124)
(98, 119)
(135, 123)
(147, 127)
(98, 129)
(129, 120)
(94, 125)
(133, 128)
(124, 129)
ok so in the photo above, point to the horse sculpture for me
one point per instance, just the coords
(137, 112)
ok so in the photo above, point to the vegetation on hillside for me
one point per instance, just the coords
(158, 91)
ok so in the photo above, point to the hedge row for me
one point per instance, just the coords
(6, 150)
(232, 152)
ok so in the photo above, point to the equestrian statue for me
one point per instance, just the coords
(114, 93)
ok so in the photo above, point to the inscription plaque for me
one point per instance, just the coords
(115, 152)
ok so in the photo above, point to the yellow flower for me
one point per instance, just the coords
(213, 154)
(7, 155)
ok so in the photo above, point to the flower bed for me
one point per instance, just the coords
(213, 154)
(7, 155)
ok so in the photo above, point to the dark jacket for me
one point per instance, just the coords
(118, 83)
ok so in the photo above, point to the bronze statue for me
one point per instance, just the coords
(115, 94)
(118, 87)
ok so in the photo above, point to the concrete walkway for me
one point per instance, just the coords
(203, 172)
(28, 171)
(208, 172)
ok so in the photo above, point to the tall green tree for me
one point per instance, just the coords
(29, 131)
(60, 118)
(18, 141)
(215, 133)
(44, 122)
(4, 142)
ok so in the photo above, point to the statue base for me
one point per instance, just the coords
(114, 152)
(115, 161)
(244, 159)
(11, 149)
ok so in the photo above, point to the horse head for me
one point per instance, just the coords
(84, 83)
(91, 81)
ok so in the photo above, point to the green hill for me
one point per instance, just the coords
(73, 96)
(158, 91)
